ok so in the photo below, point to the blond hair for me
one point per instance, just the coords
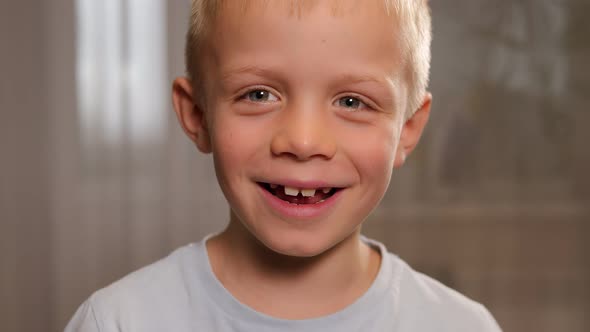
(414, 23)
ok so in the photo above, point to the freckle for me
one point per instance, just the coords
(323, 41)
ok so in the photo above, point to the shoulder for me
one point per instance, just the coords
(425, 304)
(163, 277)
(156, 290)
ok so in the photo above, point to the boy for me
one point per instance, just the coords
(306, 107)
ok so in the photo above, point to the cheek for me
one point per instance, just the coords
(235, 142)
(377, 164)
(374, 151)
(225, 150)
(374, 157)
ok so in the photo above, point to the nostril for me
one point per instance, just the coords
(303, 142)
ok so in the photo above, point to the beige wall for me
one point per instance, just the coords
(25, 247)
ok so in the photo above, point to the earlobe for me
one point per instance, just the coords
(412, 131)
(189, 114)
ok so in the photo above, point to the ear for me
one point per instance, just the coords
(190, 115)
(412, 131)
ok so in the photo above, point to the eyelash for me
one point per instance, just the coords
(363, 104)
(246, 95)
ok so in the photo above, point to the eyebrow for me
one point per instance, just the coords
(255, 70)
(349, 78)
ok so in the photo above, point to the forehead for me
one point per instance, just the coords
(299, 8)
(220, 14)
(295, 26)
(310, 44)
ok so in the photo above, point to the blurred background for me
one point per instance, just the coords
(97, 180)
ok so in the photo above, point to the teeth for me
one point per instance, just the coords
(308, 192)
(273, 186)
(291, 191)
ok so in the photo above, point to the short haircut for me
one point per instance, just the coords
(415, 26)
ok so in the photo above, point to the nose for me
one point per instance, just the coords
(304, 134)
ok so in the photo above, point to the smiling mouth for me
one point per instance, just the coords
(299, 196)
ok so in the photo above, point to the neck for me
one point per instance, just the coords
(295, 287)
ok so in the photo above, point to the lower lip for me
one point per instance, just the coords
(300, 211)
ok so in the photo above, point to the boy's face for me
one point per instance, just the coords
(309, 102)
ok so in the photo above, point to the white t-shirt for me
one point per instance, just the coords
(180, 293)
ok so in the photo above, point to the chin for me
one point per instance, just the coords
(297, 252)
(304, 247)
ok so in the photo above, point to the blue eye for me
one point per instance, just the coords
(260, 96)
(351, 102)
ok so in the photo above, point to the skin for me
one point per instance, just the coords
(305, 69)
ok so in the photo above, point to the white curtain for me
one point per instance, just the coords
(128, 186)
